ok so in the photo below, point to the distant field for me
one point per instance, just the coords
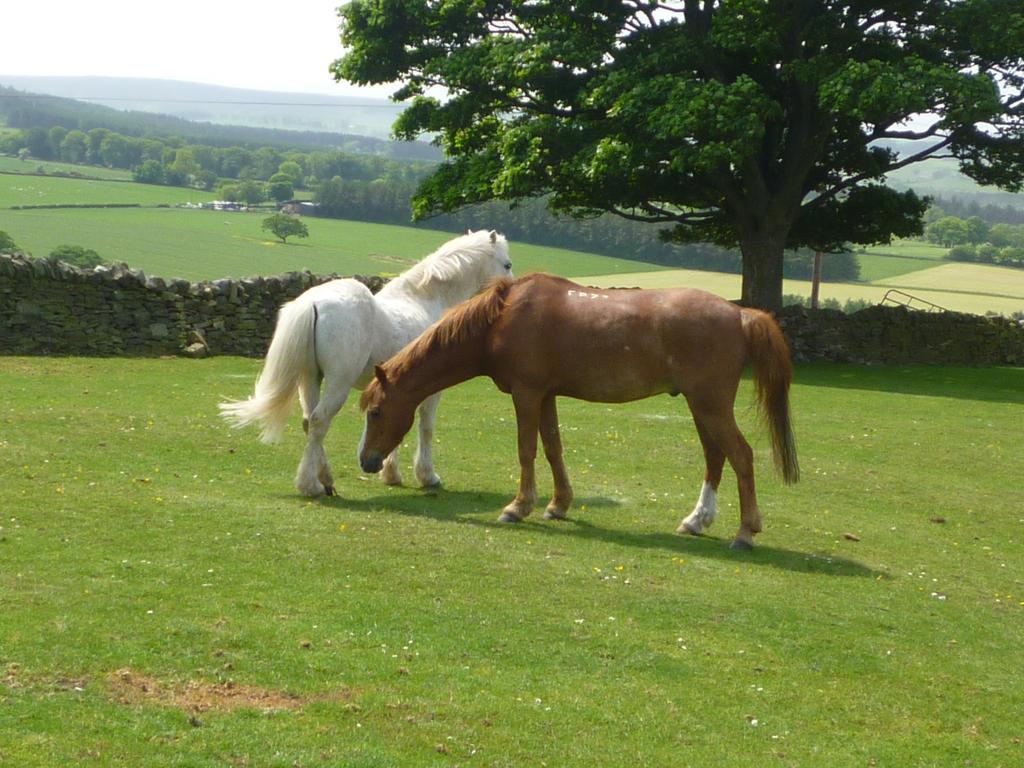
(899, 258)
(976, 278)
(959, 287)
(9, 164)
(200, 245)
(55, 190)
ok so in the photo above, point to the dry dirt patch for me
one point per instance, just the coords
(130, 687)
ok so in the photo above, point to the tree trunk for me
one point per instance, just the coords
(762, 271)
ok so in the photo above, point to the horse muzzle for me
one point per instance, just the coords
(371, 463)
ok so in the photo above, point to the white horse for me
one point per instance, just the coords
(336, 332)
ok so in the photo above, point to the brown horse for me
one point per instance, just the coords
(542, 336)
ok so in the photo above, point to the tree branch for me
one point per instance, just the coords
(853, 181)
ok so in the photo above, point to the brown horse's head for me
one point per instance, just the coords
(389, 415)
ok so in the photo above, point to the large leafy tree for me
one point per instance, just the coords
(760, 124)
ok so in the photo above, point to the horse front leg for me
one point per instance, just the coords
(528, 422)
(390, 472)
(424, 464)
(551, 437)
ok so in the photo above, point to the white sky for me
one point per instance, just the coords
(273, 45)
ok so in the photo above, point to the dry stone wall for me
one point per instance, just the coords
(897, 335)
(48, 308)
(54, 308)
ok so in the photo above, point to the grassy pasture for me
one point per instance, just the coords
(10, 164)
(974, 288)
(200, 245)
(166, 598)
(898, 258)
(55, 190)
(976, 278)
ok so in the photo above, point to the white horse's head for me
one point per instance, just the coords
(467, 262)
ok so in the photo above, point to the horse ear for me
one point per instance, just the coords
(494, 236)
(382, 377)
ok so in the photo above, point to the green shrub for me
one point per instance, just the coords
(76, 255)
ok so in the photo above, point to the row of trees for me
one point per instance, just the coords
(172, 161)
(949, 231)
(26, 111)
(974, 239)
(986, 253)
(966, 207)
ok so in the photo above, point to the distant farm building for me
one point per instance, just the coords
(300, 208)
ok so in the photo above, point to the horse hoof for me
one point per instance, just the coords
(432, 484)
(508, 517)
(329, 490)
(741, 546)
(689, 528)
(554, 514)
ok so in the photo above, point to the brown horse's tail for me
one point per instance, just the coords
(773, 372)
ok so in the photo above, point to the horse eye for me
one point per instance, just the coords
(508, 266)
(373, 413)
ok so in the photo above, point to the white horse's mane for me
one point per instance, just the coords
(449, 262)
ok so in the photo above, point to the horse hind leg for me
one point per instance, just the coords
(706, 509)
(718, 421)
(314, 477)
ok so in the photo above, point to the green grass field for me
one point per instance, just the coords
(167, 599)
(200, 245)
(56, 190)
(16, 165)
(898, 258)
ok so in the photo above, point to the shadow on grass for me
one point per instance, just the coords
(464, 508)
(997, 385)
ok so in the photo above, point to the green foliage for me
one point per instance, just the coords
(974, 240)
(7, 244)
(293, 170)
(284, 226)
(749, 124)
(947, 231)
(848, 307)
(835, 267)
(398, 627)
(26, 110)
(280, 187)
(77, 256)
(150, 172)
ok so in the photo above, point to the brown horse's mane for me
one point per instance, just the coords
(459, 324)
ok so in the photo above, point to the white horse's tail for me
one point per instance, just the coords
(290, 363)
